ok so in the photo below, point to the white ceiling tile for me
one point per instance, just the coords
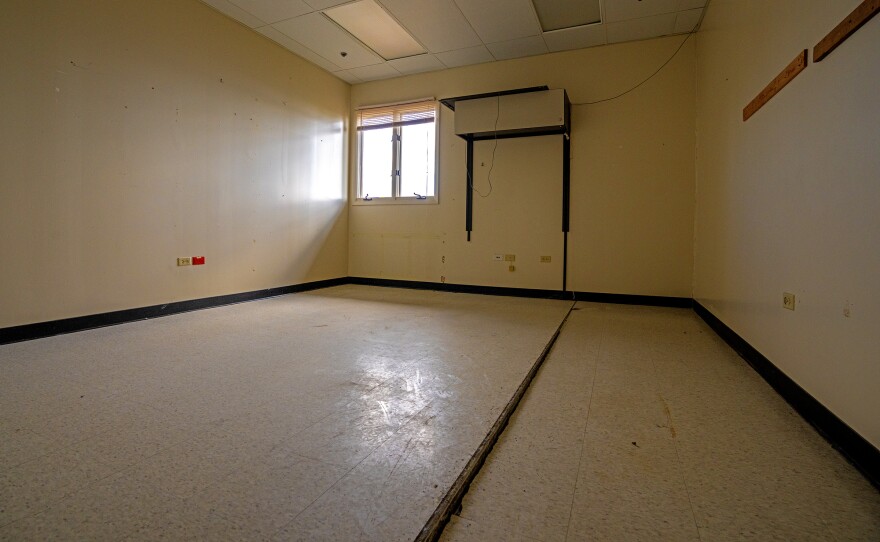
(465, 57)
(324, 4)
(578, 37)
(501, 20)
(324, 37)
(376, 71)
(273, 11)
(348, 77)
(298, 48)
(228, 8)
(622, 10)
(455, 32)
(691, 4)
(416, 64)
(686, 21)
(529, 46)
(438, 24)
(639, 29)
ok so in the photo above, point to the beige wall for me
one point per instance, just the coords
(632, 181)
(790, 200)
(135, 133)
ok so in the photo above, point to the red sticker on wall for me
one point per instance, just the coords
(198, 260)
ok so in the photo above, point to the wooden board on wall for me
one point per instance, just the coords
(859, 16)
(790, 72)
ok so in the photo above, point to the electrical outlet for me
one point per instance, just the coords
(788, 301)
(184, 261)
(498, 257)
(510, 257)
(545, 259)
(511, 268)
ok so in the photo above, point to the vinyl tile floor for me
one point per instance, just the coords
(642, 424)
(338, 414)
(346, 413)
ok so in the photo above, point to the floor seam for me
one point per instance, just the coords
(454, 496)
(584, 433)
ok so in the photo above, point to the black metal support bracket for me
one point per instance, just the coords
(564, 130)
(469, 201)
(566, 205)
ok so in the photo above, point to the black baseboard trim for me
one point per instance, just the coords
(40, 330)
(461, 288)
(594, 297)
(634, 299)
(858, 451)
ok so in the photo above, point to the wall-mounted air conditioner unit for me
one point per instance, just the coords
(533, 112)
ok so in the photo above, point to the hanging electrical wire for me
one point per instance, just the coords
(668, 60)
(494, 148)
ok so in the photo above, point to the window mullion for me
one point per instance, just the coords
(395, 162)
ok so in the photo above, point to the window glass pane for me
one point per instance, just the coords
(376, 163)
(417, 160)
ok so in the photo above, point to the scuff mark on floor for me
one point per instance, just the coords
(668, 416)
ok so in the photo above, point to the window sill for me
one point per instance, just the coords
(430, 200)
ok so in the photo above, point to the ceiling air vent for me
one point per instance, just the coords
(559, 14)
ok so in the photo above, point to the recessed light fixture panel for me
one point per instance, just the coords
(368, 22)
(559, 14)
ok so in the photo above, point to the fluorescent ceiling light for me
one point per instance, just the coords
(371, 24)
(559, 14)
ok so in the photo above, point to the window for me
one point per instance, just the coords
(397, 149)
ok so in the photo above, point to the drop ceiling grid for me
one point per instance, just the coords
(453, 32)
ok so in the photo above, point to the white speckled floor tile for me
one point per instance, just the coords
(195, 464)
(19, 445)
(394, 490)
(630, 487)
(329, 441)
(261, 499)
(208, 416)
(680, 440)
(188, 523)
(81, 423)
(144, 433)
(33, 486)
(108, 510)
(460, 529)
(44, 409)
(345, 414)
